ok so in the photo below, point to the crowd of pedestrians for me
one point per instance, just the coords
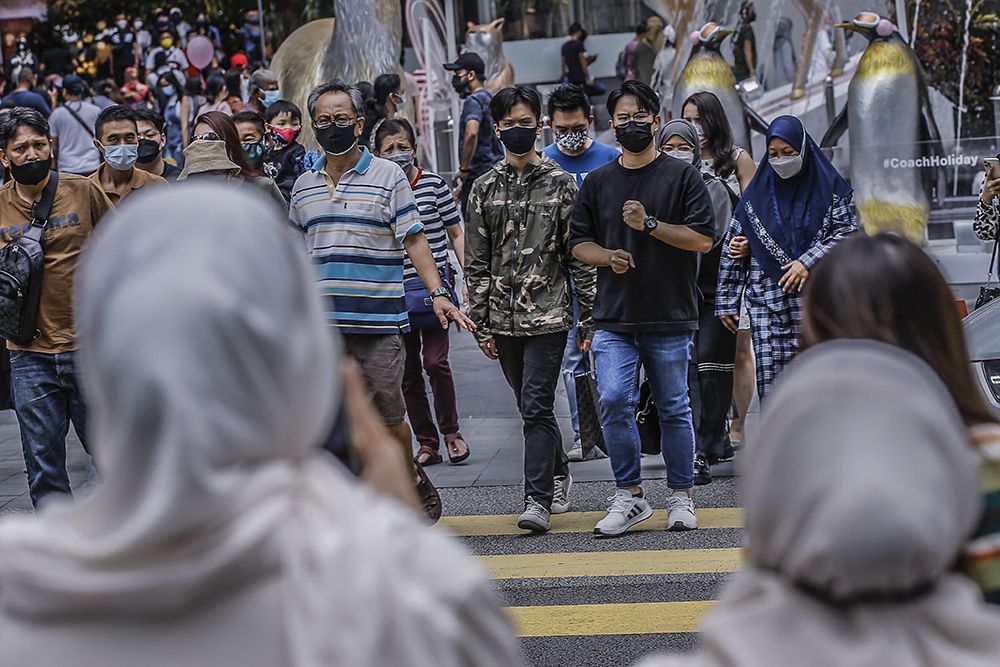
(654, 265)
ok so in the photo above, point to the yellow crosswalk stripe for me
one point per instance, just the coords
(612, 563)
(641, 618)
(582, 522)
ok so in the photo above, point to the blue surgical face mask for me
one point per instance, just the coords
(122, 156)
(271, 96)
(167, 90)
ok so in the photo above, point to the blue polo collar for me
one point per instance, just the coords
(361, 167)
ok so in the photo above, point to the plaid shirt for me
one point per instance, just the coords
(775, 315)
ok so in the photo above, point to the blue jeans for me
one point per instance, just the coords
(665, 358)
(46, 399)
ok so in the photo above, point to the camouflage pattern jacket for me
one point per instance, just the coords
(517, 260)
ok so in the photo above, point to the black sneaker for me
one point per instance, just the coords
(702, 474)
(728, 452)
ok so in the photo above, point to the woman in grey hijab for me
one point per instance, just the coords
(850, 555)
(221, 534)
(715, 346)
(786, 62)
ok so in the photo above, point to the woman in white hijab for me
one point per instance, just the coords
(221, 534)
(850, 555)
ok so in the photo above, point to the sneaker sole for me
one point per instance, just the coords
(532, 526)
(679, 526)
(637, 520)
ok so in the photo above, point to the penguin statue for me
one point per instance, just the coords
(707, 70)
(891, 128)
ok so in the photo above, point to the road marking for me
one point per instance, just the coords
(612, 563)
(582, 522)
(643, 618)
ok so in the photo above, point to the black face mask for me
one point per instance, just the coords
(634, 137)
(148, 150)
(31, 173)
(460, 85)
(336, 140)
(518, 140)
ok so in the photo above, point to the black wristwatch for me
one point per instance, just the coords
(649, 224)
(441, 291)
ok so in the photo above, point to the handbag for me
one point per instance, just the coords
(986, 292)
(21, 266)
(589, 415)
(647, 420)
(419, 304)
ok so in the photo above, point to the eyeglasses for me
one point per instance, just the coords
(208, 136)
(640, 117)
(507, 124)
(324, 123)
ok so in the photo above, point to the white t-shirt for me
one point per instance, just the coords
(77, 153)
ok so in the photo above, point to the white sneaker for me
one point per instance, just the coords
(535, 517)
(681, 512)
(576, 453)
(560, 494)
(624, 512)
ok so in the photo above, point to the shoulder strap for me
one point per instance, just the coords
(89, 130)
(993, 259)
(42, 208)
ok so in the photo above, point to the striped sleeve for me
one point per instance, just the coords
(405, 216)
(447, 208)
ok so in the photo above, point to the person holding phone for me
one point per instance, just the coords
(988, 208)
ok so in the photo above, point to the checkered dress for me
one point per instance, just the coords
(774, 315)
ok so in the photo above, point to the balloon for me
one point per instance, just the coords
(200, 51)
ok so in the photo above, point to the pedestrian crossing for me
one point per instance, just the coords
(569, 562)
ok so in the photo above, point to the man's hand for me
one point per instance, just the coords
(489, 347)
(584, 341)
(795, 277)
(620, 261)
(739, 247)
(731, 322)
(991, 189)
(634, 214)
(446, 310)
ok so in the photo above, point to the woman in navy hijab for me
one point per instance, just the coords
(796, 208)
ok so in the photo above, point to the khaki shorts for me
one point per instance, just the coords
(382, 358)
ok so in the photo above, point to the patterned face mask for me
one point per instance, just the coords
(571, 141)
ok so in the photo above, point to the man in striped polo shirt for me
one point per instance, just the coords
(359, 218)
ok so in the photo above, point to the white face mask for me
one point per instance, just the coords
(683, 154)
(786, 166)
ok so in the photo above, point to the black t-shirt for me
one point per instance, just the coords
(571, 51)
(661, 293)
(285, 166)
(741, 68)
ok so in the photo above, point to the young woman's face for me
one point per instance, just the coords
(691, 114)
(780, 148)
(675, 144)
(394, 143)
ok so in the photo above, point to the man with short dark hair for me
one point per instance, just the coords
(72, 127)
(25, 96)
(478, 148)
(43, 374)
(152, 138)
(359, 218)
(574, 150)
(517, 263)
(576, 62)
(642, 220)
(117, 137)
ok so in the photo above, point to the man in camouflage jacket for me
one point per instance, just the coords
(517, 263)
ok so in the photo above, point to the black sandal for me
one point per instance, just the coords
(429, 496)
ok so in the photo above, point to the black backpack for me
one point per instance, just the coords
(21, 264)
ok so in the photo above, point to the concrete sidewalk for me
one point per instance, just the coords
(489, 420)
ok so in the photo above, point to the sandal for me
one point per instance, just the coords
(427, 456)
(428, 495)
(455, 453)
